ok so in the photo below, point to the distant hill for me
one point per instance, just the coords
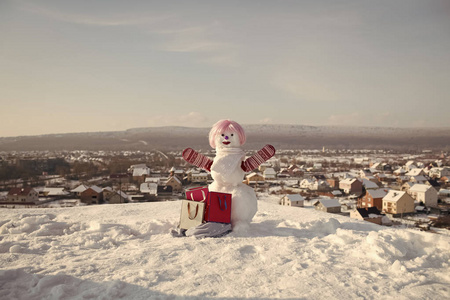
(281, 136)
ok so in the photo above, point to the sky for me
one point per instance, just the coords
(84, 66)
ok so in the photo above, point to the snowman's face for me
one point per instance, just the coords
(227, 139)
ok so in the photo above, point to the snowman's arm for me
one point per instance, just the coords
(257, 159)
(197, 159)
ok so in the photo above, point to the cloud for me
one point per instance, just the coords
(266, 121)
(200, 40)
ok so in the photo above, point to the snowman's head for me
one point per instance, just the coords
(226, 134)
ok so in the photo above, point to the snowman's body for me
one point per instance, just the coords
(228, 176)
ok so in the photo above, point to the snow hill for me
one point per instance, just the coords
(281, 136)
(126, 252)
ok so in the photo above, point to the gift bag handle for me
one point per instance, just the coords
(189, 211)
(220, 203)
(204, 196)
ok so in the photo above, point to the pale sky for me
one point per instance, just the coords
(76, 66)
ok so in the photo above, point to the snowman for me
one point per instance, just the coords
(227, 170)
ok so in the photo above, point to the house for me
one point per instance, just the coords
(293, 200)
(107, 191)
(328, 205)
(415, 172)
(79, 189)
(351, 186)
(372, 198)
(27, 195)
(400, 172)
(269, 174)
(176, 172)
(425, 194)
(407, 186)
(418, 179)
(297, 172)
(320, 185)
(444, 194)
(199, 177)
(333, 182)
(92, 195)
(398, 202)
(284, 173)
(369, 185)
(264, 166)
(376, 166)
(140, 172)
(402, 179)
(175, 183)
(371, 214)
(54, 192)
(307, 183)
(117, 197)
(410, 165)
(149, 188)
(336, 193)
(439, 172)
(254, 178)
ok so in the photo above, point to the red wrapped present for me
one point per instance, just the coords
(218, 207)
(197, 194)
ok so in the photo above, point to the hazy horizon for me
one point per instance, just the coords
(71, 67)
(207, 127)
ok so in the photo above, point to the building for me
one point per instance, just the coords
(175, 183)
(254, 178)
(398, 202)
(415, 172)
(328, 205)
(199, 177)
(79, 189)
(333, 182)
(351, 186)
(418, 179)
(369, 184)
(25, 196)
(293, 200)
(424, 193)
(150, 188)
(372, 198)
(54, 192)
(140, 172)
(117, 197)
(371, 214)
(92, 195)
(269, 174)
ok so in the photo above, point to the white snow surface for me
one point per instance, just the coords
(126, 251)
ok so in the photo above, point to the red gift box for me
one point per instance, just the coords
(218, 207)
(197, 194)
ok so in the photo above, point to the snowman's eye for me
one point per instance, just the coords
(231, 134)
(223, 134)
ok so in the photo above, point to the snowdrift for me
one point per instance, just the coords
(126, 251)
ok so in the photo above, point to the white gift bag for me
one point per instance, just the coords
(192, 213)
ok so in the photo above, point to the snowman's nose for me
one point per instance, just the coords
(226, 137)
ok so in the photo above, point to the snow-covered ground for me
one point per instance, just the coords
(126, 251)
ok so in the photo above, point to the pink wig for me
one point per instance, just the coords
(226, 125)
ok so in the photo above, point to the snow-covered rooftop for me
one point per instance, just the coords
(393, 196)
(421, 188)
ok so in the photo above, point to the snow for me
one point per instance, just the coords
(126, 251)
